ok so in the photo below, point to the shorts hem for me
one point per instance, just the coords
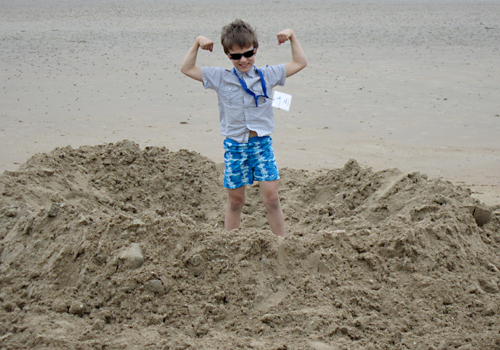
(233, 187)
(237, 185)
(272, 178)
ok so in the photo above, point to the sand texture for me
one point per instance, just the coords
(111, 197)
(411, 84)
(114, 247)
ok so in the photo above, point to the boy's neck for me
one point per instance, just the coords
(246, 71)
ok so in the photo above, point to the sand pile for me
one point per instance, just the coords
(117, 247)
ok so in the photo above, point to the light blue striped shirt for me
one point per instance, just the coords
(237, 111)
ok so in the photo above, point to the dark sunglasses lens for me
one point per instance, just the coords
(249, 54)
(237, 56)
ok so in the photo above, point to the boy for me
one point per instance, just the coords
(246, 115)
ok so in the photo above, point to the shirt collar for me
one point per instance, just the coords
(251, 73)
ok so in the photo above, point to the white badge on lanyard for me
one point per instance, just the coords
(282, 100)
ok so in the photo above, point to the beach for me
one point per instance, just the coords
(409, 85)
(111, 215)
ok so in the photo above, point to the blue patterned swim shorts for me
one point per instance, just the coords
(246, 162)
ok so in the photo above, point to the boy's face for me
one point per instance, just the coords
(244, 64)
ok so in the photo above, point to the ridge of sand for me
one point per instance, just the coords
(113, 246)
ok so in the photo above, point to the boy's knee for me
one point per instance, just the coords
(236, 202)
(272, 201)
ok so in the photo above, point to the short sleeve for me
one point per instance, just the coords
(275, 75)
(212, 77)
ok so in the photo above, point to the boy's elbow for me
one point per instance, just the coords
(186, 68)
(187, 72)
(193, 72)
(295, 67)
(304, 61)
(302, 64)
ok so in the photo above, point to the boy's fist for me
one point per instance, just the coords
(284, 36)
(205, 43)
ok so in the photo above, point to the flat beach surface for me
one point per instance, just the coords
(412, 85)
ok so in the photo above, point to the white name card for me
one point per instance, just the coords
(282, 100)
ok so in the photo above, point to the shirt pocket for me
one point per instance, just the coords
(229, 95)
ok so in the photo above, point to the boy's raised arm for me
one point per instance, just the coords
(299, 60)
(189, 64)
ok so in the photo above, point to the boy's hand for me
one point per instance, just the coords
(205, 43)
(284, 36)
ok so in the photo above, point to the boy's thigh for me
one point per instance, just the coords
(244, 164)
(264, 164)
(237, 173)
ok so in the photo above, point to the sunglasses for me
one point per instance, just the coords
(237, 56)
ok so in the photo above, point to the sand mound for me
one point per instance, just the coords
(114, 247)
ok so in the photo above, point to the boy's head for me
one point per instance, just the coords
(240, 43)
(238, 34)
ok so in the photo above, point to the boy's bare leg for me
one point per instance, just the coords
(235, 203)
(270, 197)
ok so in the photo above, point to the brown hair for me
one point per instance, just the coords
(238, 33)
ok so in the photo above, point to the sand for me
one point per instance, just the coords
(111, 207)
(112, 247)
(406, 84)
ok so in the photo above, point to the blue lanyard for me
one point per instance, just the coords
(248, 91)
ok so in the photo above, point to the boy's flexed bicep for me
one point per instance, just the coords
(189, 63)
